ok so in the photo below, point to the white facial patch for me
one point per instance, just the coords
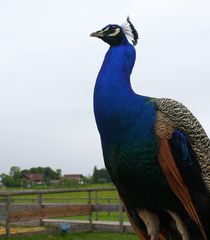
(105, 30)
(117, 30)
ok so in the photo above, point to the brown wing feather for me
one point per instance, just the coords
(176, 182)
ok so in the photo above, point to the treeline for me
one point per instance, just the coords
(50, 177)
(17, 177)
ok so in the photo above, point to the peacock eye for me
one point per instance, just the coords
(114, 31)
(111, 30)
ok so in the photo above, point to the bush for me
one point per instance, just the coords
(102, 180)
(68, 183)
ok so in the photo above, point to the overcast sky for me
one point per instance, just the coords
(48, 67)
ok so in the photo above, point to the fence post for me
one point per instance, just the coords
(121, 217)
(90, 204)
(8, 207)
(40, 202)
(96, 202)
(108, 202)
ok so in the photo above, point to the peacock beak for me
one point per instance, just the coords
(97, 34)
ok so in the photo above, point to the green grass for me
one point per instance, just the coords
(79, 236)
(68, 197)
(102, 216)
(44, 187)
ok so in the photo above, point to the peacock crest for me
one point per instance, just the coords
(130, 31)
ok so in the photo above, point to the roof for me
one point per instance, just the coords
(74, 176)
(34, 177)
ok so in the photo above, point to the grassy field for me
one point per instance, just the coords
(77, 197)
(79, 236)
(102, 216)
(41, 187)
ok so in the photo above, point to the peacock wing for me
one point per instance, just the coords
(184, 156)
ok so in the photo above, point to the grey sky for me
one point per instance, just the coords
(48, 66)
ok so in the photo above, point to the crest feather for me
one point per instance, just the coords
(130, 31)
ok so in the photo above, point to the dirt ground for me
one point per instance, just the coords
(20, 230)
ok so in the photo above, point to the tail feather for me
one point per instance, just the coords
(176, 182)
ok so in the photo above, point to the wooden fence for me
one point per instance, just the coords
(13, 211)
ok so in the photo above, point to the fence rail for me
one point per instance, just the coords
(11, 211)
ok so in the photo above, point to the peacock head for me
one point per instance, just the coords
(115, 35)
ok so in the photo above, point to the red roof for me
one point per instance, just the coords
(72, 176)
(35, 177)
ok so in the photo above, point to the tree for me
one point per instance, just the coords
(9, 181)
(95, 177)
(49, 174)
(14, 178)
(100, 175)
(59, 173)
(14, 170)
(103, 174)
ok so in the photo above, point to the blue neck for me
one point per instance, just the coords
(124, 119)
(113, 92)
(116, 69)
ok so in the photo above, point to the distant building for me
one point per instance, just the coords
(1, 184)
(33, 178)
(54, 181)
(76, 177)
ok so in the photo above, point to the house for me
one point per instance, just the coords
(76, 177)
(1, 184)
(33, 178)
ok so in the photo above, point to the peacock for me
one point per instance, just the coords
(155, 150)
